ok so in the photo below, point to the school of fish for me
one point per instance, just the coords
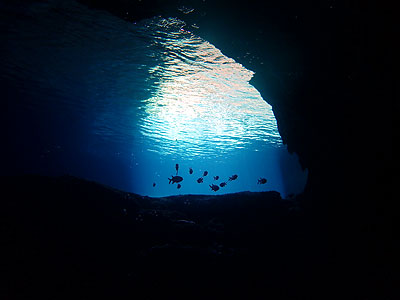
(214, 187)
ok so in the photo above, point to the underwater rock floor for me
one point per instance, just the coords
(67, 237)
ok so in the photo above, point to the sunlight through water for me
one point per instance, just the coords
(203, 104)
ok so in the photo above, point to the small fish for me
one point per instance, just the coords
(222, 184)
(216, 177)
(200, 180)
(190, 171)
(174, 179)
(214, 187)
(233, 177)
(205, 173)
(262, 181)
(179, 186)
(154, 184)
(177, 168)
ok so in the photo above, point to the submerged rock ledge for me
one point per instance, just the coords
(67, 237)
(71, 236)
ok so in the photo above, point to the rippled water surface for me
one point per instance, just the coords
(94, 96)
(203, 102)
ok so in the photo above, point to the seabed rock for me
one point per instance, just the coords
(70, 235)
(67, 237)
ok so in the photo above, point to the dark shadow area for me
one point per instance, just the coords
(72, 238)
(66, 237)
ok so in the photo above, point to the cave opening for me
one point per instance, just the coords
(205, 115)
(138, 99)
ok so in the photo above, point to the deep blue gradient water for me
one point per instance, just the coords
(90, 95)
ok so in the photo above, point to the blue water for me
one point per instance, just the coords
(93, 96)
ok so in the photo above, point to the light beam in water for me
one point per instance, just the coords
(203, 104)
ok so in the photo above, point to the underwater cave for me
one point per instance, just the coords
(275, 116)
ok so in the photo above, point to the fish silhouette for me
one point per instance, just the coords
(262, 181)
(214, 187)
(233, 177)
(174, 179)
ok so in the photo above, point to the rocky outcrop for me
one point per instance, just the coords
(66, 237)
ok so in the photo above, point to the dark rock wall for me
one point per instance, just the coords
(66, 237)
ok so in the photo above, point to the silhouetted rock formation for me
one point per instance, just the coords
(66, 237)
